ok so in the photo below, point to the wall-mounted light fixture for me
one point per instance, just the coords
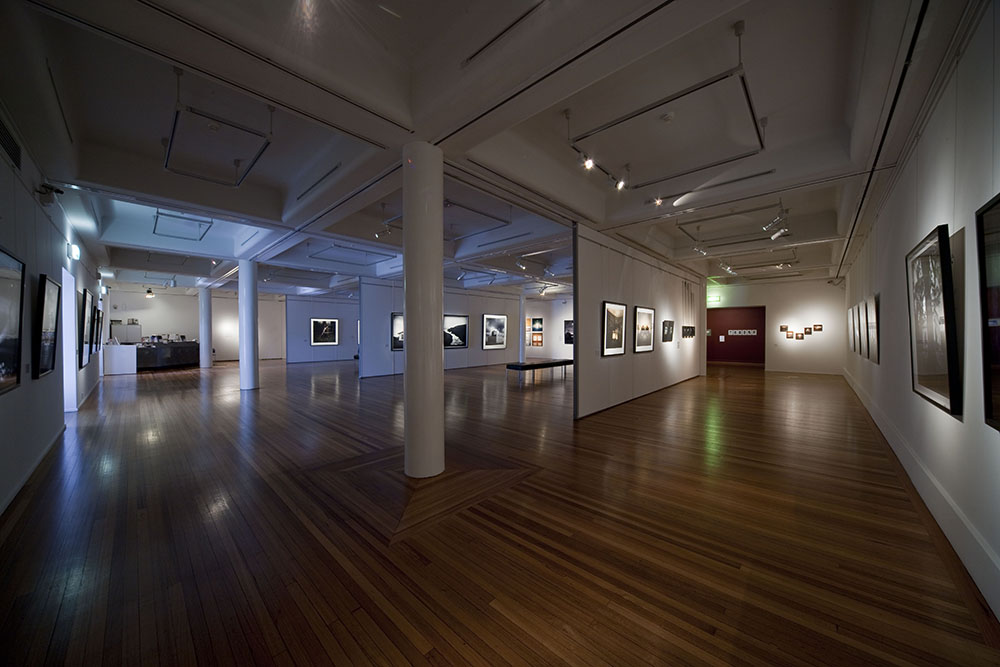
(73, 251)
(149, 293)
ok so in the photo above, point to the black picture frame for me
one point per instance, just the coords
(872, 307)
(11, 320)
(569, 332)
(46, 342)
(667, 334)
(456, 332)
(934, 362)
(688, 331)
(396, 333)
(324, 331)
(644, 320)
(987, 228)
(613, 322)
(86, 327)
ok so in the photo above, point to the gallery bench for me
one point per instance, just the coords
(533, 366)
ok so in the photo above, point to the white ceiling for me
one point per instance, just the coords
(722, 131)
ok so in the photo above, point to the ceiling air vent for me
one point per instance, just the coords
(10, 146)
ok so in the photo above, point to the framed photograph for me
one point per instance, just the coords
(789, 334)
(396, 332)
(988, 249)
(613, 329)
(808, 331)
(871, 307)
(817, 327)
(494, 332)
(862, 327)
(643, 339)
(86, 327)
(783, 328)
(527, 332)
(536, 324)
(688, 332)
(800, 336)
(568, 332)
(98, 329)
(851, 342)
(456, 331)
(667, 334)
(46, 327)
(933, 330)
(324, 331)
(536, 339)
(11, 307)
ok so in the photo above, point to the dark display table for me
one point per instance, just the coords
(152, 356)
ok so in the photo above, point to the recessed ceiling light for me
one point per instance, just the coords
(658, 201)
(620, 185)
(588, 163)
(668, 117)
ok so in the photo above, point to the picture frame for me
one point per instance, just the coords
(988, 250)
(807, 331)
(98, 329)
(536, 339)
(456, 331)
(667, 332)
(568, 332)
(862, 327)
(688, 331)
(324, 331)
(11, 320)
(642, 337)
(536, 324)
(817, 327)
(851, 342)
(871, 308)
(934, 362)
(613, 321)
(396, 324)
(86, 327)
(494, 332)
(790, 334)
(782, 328)
(46, 344)
(800, 336)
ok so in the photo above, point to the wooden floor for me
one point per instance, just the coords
(740, 518)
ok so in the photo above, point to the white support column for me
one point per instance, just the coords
(249, 370)
(520, 328)
(205, 327)
(423, 297)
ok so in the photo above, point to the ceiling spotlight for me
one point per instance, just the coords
(774, 236)
(519, 263)
(541, 292)
(214, 262)
(701, 251)
(778, 219)
(620, 185)
(549, 272)
(588, 163)
(384, 233)
(782, 265)
(149, 293)
(461, 275)
(658, 202)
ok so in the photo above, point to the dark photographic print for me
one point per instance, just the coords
(47, 326)
(689, 331)
(396, 329)
(86, 327)
(536, 324)
(807, 331)
(783, 328)
(933, 345)
(643, 341)
(613, 329)
(494, 332)
(789, 334)
(800, 336)
(456, 331)
(11, 290)
(667, 334)
(568, 332)
(817, 327)
(324, 331)
(871, 307)
(988, 249)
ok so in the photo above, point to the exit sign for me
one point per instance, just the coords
(714, 298)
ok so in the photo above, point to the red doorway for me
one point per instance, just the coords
(737, 335)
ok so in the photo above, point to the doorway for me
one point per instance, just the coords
(736, 335)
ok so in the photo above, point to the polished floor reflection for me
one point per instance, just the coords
(743, 518)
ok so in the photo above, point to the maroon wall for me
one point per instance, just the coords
(741, 349)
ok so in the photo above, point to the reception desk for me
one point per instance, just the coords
(152, 356)
(126, 359)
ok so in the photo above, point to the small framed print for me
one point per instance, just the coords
(807, 331)
(613, 329)
(783, 328)
(800, 336)
(789, 334)
(643, 339)
(536, 339)
(817, 327)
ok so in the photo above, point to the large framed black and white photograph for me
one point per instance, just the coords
(396, 332)
(988, 249)
(11, 292)
(324, 331)
(86, 327)
(643, 339)
(494, 332)
(933, 329)
(667, 334)
(46, 327)
(568, 332)
(456, 331)
(613, 329)
(871, 307)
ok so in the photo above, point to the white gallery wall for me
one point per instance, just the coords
(607, 270)
(381, 298)
(177, 314)
(299, 310)
(954, 462)
(554, 312)
(799, 305)
(31, 415)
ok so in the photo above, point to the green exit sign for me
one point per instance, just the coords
(714, 298)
